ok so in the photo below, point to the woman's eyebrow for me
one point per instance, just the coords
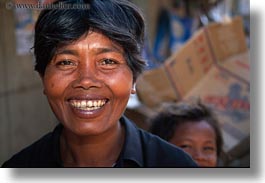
(108, 49)
(98, 50)
(67, 52)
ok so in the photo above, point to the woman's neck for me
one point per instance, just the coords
(92, 151)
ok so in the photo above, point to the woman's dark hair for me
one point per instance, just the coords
(171, 115)
(119, 20)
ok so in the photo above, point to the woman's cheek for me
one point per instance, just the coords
(122, 82)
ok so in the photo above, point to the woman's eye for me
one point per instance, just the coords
(65, 63)
(108, 62)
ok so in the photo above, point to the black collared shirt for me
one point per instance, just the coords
(141, 149)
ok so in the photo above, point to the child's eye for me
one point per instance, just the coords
(185, 146)
(209, 149)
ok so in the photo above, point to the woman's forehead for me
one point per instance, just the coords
(93, 40)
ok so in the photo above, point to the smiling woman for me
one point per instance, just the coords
(95, 84)
(88, 61)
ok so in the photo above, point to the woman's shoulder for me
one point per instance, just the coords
(160, 153)
(35, 154)
(155, 152)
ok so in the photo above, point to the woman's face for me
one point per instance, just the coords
(199, 140)
(88, 84)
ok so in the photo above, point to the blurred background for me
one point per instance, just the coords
(171, 24)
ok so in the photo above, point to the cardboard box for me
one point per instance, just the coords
(155, 87)
(226, 39)
(190, 64)
(214, 66)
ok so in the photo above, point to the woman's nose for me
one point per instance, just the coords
(87, 77)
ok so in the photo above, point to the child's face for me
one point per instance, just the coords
(199, 140)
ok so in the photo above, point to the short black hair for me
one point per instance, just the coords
(172, 115)
(121, 21)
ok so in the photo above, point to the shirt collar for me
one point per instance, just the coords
(132, 149)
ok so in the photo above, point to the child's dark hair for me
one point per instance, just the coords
(172, 115)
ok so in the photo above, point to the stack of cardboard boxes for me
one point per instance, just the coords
(214, 66)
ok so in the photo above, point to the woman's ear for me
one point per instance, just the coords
(133, 90)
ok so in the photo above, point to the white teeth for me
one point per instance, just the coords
(83, 104)
(88, 104)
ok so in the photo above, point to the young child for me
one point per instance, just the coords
(192, 127)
